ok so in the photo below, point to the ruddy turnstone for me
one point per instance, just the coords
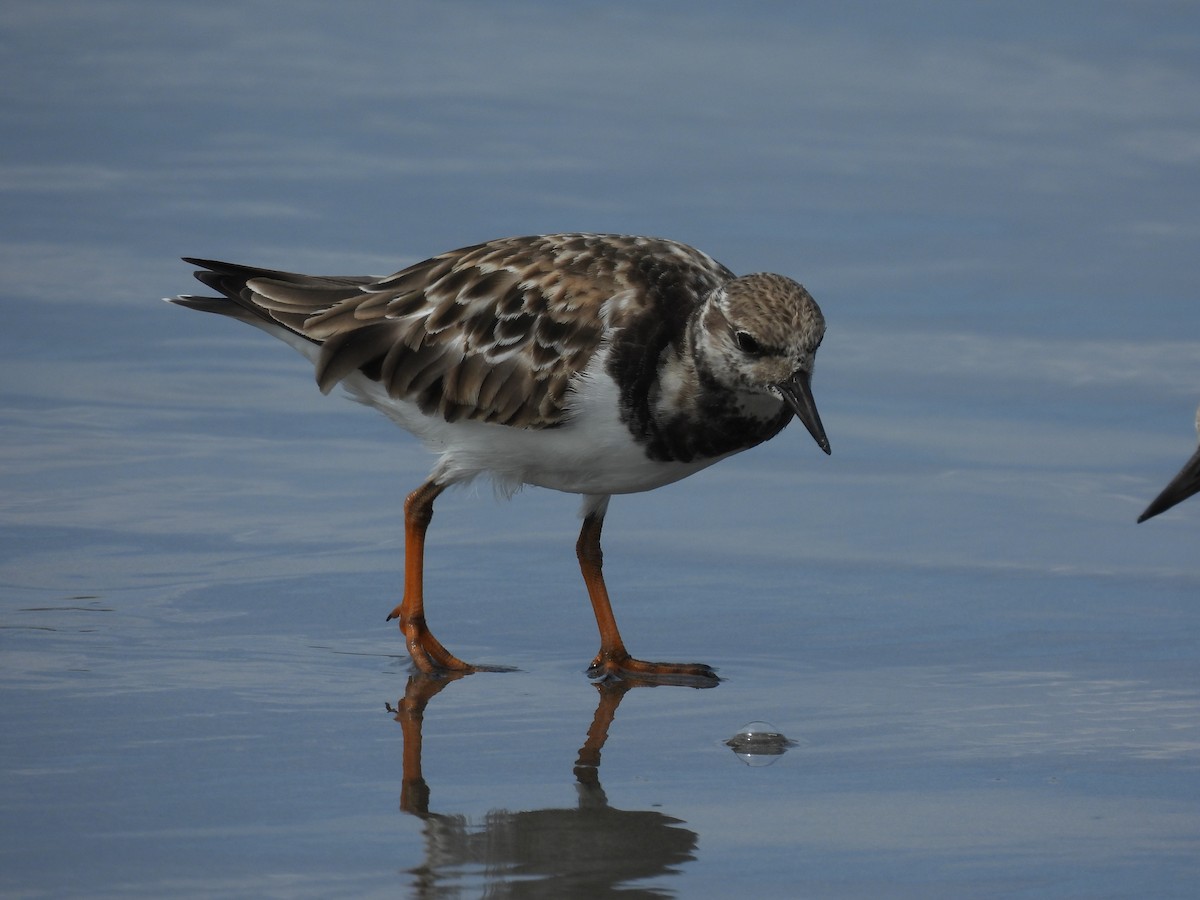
(588, 363)
(1185, 483)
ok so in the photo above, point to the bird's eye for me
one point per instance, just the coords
(748, 344)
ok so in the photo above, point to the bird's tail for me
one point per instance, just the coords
(267, 296)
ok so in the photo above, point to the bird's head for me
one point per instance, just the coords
(760, 335)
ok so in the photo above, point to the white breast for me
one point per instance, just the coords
(592, 453)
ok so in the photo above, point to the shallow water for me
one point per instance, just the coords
(236, 739)
(202, 697)
(988, 672)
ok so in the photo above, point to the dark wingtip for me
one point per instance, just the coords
(204, 304)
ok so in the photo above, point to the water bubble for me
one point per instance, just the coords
(759, 743)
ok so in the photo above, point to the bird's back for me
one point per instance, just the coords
(496, 332)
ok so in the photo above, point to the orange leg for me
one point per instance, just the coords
(613, 661)
(427, 652)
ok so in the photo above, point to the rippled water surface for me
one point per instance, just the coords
(985, 671)
(201, 695)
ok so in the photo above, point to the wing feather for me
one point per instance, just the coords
(495, 332)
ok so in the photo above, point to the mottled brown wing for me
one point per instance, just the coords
(494, 332)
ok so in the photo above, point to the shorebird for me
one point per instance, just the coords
(587, 363)
(1185, 483)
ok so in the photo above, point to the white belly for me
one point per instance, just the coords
(592, 453)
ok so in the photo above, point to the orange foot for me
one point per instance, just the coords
(619, 666)
(427, 652)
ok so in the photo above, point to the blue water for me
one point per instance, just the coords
(989, 672)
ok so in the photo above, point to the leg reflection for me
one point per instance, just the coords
(591, 848)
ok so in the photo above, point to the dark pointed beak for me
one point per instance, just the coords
(1182, 486)
(797, 391)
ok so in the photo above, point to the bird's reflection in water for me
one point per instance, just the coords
(589, 850)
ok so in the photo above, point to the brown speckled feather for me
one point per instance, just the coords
(494, 332)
